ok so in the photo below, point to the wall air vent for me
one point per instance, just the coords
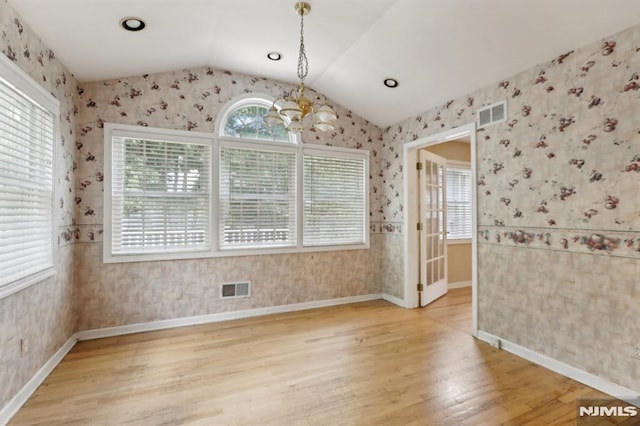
(492, 114)
(235, 290)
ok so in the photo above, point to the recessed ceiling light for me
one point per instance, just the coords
(391, 82)
(132, 24)
(274, 56)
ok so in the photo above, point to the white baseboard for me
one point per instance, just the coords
(15, 403)
(393, 299)
(459, 284)
(617, 391)
(222, 316)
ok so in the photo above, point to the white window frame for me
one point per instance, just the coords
(253, 144)
(16, 77)
(466, 166)
(337, 153)
(112, 130)
(218, 140)
(250, 99)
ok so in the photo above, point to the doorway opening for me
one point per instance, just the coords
(414, 201)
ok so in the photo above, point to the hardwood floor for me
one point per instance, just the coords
(367, 364)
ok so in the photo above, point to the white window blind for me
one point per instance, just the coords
(160, 197)
(257, 197)
(334, 199)
(27, 135)
(459, 206)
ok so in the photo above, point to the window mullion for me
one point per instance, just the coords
(215, 196)
(300, 195)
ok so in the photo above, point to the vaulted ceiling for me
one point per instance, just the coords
(436, 49)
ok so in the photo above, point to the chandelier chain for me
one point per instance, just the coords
(295, 106)
(303, 63)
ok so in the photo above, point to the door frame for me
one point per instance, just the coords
(409, 159)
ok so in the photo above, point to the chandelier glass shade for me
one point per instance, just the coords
(295, 107)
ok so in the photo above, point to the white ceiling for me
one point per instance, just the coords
(437, 49)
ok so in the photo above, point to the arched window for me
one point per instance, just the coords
(246, 189)
(257, 178)
(243, 118)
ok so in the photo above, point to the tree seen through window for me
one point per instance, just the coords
(247, 122)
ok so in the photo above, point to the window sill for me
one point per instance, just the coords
(228, 252)
(16, 286)
(456, 241)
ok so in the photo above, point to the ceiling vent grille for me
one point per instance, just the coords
(492, 114)
(235, 290)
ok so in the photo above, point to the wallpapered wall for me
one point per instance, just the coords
(558, 206)
(558, 210)
(116, 294)
(41, 315)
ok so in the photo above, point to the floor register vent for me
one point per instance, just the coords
(235, 290)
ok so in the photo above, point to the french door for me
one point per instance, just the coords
(433, 228)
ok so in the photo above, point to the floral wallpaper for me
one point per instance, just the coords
(130, 293)
(187, 100)
(559, 215)
(558, 205)
(36, 321)
(191, 99)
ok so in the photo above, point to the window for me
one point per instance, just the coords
(334, 198)
(459, 204)
(28, 129)
(249, 190)
(246, 122)
(160, 191)
(260, 191)
(257, 197)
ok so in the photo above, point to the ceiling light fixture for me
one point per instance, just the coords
(132, 24)
(292, 109)
(274, 56)
(391, 83)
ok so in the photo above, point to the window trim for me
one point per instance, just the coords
(270, 146)
(217, 141)
(456, 241)
(342, 153)
(248, 99)
(465, 165)
(112, 130)
(14, 76)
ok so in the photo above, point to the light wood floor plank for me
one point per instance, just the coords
(369, 363)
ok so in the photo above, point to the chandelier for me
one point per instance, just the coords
(296, 106)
